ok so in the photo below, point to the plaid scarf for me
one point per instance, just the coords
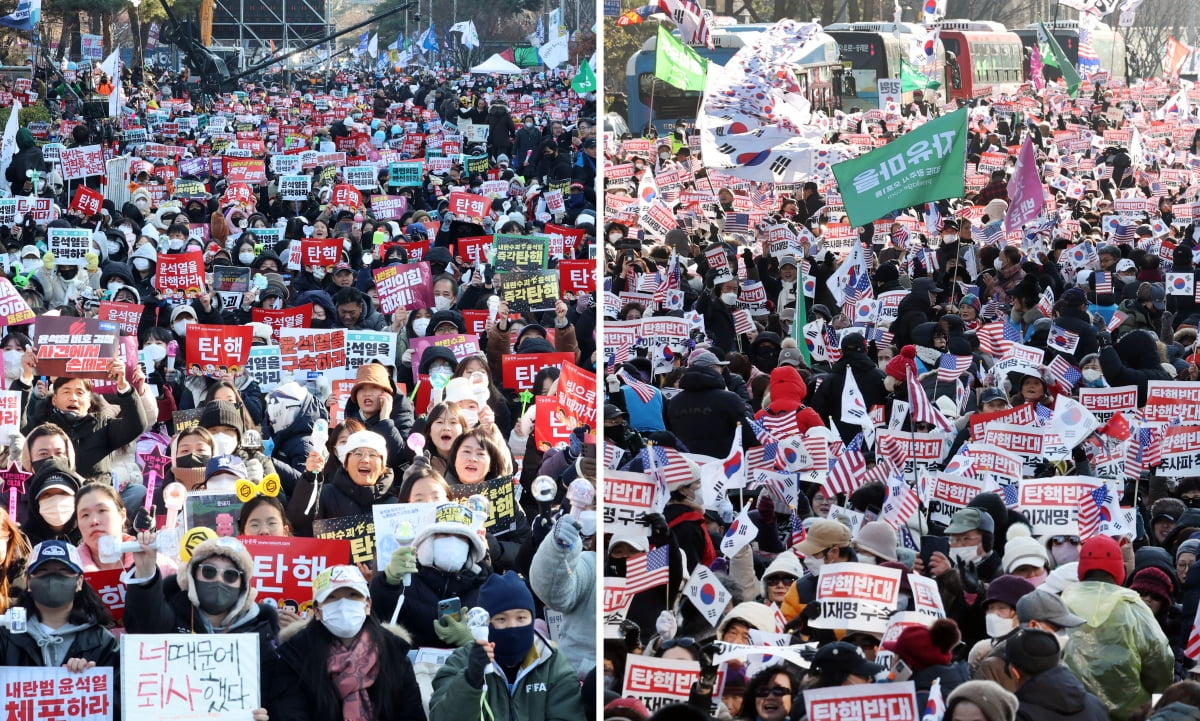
(353, 671)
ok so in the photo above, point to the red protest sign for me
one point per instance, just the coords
(180, 273)
(416, 251)
(407, 286)
(214, 350)
(521, 368)
(238, 194)
(577, 276)
(550, 427)
(346, 196)
(87, 201)
(111, 589)
(75, 347)
(245, 170)
(577, 396)
(323, 252)
(126, 315)
(466, 205)
(297, 317)
(284, 568)
(563, 241)
(473, 250)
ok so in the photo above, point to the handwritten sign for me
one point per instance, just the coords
(176, 677)
(82, 162)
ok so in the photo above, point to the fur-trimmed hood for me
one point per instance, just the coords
(286, 633)
(232, 549)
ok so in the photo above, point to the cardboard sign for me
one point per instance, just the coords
(299, 316)
(13, 308)
(530, 291)
(577, 276)
(178, 677)
(460, 345)
(950, 493)
(628, 497)
(33, 693)
(111, 589)
(1051, 505)
(500, 492)
(856, 596)
(324, 252)
(312, 349)
(359, 531)
(69, 245)
(550, 425)
(214, 350)
(284, 568)
(521, 368)
(408, 286)
(82, 162)
(468, 206)
(75, 347)
(657, 681)
(180, 274)
(871, 702)
(577, 396)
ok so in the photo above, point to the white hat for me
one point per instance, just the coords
(261, 330)
(363, 439)
(458, 390)
(335, 577)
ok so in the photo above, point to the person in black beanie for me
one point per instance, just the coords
(1046, 689)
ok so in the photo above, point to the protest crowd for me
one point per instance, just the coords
(299, 397)
(903, 451)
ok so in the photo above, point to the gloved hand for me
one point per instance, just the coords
(403, 561)
(666, 625)
(970, 576)
(453, 630)
(720, 565)
(613, 384)
(1105, 338)
(566, 532)
(766, 508)
(708, 669)
(477, 661)
(254, 470)
(660, 532)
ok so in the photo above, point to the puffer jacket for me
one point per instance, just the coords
(827, 399)
(1120, 653)
(92, 642)
(105, 427)
(788, 391)
(546, 688)
(427, 586)
(342, 497)
(705, 415)
(1056, 695)
(573, 594)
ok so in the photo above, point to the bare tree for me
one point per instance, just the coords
(1156, 20)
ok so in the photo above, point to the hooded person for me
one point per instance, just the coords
(213, 593)
(291, 412)
(1132, 360)
(320, 299)
(522, 675)
(50, 503)
(444, 561)
(785, 396)
(764, 351)
(27, 158)
(705, 415)
(827, 399)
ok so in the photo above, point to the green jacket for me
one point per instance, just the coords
(1120, 653)
(546, 689)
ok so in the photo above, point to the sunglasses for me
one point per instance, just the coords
(1059, 540)
(776, 691)
(779, 580)
(232, 576)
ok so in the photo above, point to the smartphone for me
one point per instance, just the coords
(448, 606)
(932, 544)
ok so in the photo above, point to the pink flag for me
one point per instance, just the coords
(1025, 195)
(1035, 67)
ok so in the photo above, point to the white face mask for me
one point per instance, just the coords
(245, 258)
(319, 273)
(180, 327)
(113, 285)
(155, 352)
(997, 264)
(997, 625)
(12, 363)
(420, 325)
(729, 298)
(450, 553)
(471, 416)
(813, 565)
(175, 243)
(869, 560)
(1091, 375)
(223, 445)
(614, 237)
(344, 617)
(32, 264)
(113, 247)
(441, 302)
(969, 554)
(141, 264)
(57, 510)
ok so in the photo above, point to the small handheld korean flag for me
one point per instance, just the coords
(707, 594)
(741, 532)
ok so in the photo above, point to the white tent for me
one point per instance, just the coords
(496, 64)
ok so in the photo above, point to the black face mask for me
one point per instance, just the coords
(1192, 502)
(192, 460)
(216, 597)
(322, 323)
(616, 567)
(69, 272)
(766, 359)
(54, 590)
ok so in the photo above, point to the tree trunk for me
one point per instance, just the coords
(135, 31)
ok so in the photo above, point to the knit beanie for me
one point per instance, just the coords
(222, 413)
(1033, 651)
(898, 367)
(972, 300)
(504, 592)
(921, 647)
(993, 700)
(1155, 582)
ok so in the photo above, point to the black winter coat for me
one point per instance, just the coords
(1079, 322)
(94, 643)
(341, 497)
(718, 322)
(428, 586)
(1133, 360)
(827, 400)
(1056, 695)
(705, 415)
(105, 428)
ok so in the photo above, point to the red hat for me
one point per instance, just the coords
(1154, 582)
(1102, 553)
(898, 366)
(921, 647)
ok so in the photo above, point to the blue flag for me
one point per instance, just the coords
(429, 40)
(25, 17)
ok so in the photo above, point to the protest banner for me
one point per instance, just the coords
(88, 202)
(927, 599)
(501, 493)
(388, 519)
(44, 693)
(856, 596)
(320, 252)
(185, 420)
(180, 274)
(1051, 505)
(1024, 442)
(284, 567)
(1105, 402)
(362, 177)
(521, 368)
(406, 175)
(921, 449)
(550, 424)
(1022, 415)
(82, 162)
(416, 251)
(312, 350)
(577, 276)
(528, 291)
(408, 286)
(994, 465)
(358, 530)
(295, 187)
(870, 702)
(10, 413)
(245, 170)
(563, 240)
(364, 345)
(663, 334)
(949, 493)
(346, 196)
(519, 252)
(179, 677)
(215, 350)
(231, 279)
(111, 590)
(299, 316)
(1179, 458)
(461, 345)
(75, 347)
(614, 605)
(628, 497)
(577, 396)
(264, 365)
(658, 681)
(69, 245)
(13, 308)
(1170, 400)
(468, 206)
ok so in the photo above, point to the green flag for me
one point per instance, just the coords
(1058, 59)
(585, 80)
(913, 79)
(922, 165)
(677, 64)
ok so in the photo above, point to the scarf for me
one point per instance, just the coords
(353, 671)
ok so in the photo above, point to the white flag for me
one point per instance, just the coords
(740, 534)
(854, 407)
(373, 46)
(470, 37)
(707, 594)
(8, 146)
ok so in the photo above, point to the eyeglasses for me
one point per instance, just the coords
(1059, 540)
(685, 642)
(232, 576)
(369, 455)
(779, 580)
(776, 691)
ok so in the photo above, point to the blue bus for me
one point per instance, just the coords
(819, 73)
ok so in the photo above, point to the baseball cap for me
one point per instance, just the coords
(925, 285)
(822, 535)
(992, 394)
(1042, 606)
(612, 412)
(787, 260)
(342, 266)
(60, 551)
(335, 577)
(842, 657)
(971, 519)
(790, 357)
(226, 464)
(705, 359)
(1125, 264)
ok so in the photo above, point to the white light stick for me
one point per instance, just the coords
(111, 550)
(478, 620)
(405, 537)
(320, 437)
(493, 308)
(14, 620)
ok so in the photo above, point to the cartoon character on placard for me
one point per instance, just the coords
(306, 609)
(225, 525)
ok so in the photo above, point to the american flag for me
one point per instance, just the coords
(922, 409)
(881, 337)
(647, 282)
(1063, 372)
(780, 426)
(648, 570)
(900, 237)
(1043, 414)
(613, 455)
(1011, 497)
(967, 289)
(1192, 650)
(1123, 233)
(901, 503)
(950, 367)
(644, 391)
(881, 472)
(1089, 60)
(991, 309)
(1197, 296)
(737, 223)
(845, 476)
(1090, 504)
(893, 448)
(666, 465)
(692, 22)
(761, 196)
(997, 339)
(798, 531)
(669, 281)
(1103, 282)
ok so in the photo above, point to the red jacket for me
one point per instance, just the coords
(788, 392)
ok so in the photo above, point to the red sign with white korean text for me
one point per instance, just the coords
(87, 201)
(550, 427)
(563, 241)
(346, 196)
(466, 205)
(215, 350)
(577, 396)
(284, 568)
(323, 252)
(473, 250)
(111, 589)
(577, 276)
(180, 273)
(521, 368)
(298, 317)
(245, 170)
(1168, 400)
